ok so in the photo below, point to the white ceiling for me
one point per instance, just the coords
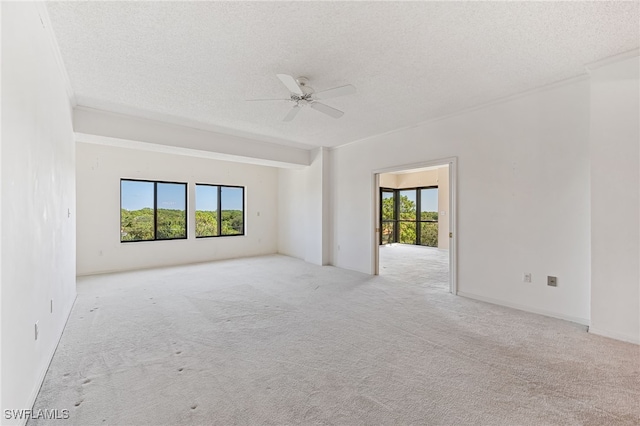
(197, 62)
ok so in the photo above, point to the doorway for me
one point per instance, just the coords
(414, 223)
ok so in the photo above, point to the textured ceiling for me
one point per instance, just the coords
(410, 62)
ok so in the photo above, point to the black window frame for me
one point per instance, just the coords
(155, 209)
(219, 210)
(396, 221)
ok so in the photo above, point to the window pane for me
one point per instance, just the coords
(408, 205)
(387, 237)
(136, 210)
(429, 234)
(172, 213)
(429, 204)
(232, 204)
(407, 233)
(388, 208)
(206, 211)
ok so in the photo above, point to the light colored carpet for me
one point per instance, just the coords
(415, 264)
(273, 340)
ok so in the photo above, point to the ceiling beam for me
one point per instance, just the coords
(108, 128)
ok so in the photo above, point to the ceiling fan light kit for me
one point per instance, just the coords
(301, 94)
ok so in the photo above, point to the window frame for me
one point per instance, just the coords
(417, 222)
(155, 209)
(219, 210)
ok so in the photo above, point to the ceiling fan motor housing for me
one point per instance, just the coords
(303, 82)
(301, 94)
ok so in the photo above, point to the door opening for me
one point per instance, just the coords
(415, 219)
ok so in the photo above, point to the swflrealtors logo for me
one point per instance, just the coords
(48, 414)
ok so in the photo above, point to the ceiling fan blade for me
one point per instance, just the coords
(258, 100)
(335, 92)
(292, 113)
(335, 113)
(291, 84)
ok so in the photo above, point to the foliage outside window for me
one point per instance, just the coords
(400, 221)
(388, 213)
(151, 210)
(219, 210)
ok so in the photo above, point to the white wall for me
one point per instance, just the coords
(615, 228)
(413, 180)
(303, 210)
(99, 170)
(388, 180)
(38, 190)
(523, 197)
(292, 212)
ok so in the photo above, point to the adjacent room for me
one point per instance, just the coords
(414, 225)
(320, 213)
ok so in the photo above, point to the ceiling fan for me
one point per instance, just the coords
(302, 95)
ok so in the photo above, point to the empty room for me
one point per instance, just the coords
(300, 213)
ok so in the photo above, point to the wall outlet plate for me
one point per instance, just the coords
(526, 277)
(552, 281)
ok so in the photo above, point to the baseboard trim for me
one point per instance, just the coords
(168, 265)
(582, 321)
(43, 373)
(615, 335)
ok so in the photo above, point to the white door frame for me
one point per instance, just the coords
(452, 162)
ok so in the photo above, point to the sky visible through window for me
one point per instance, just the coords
(231, 198)
(136, 195)
(207, 198)
(171, 196)
(429, 200)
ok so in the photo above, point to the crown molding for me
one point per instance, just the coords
(55, 48)
(497, 101)
(592, 66)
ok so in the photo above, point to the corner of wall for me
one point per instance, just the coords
(38, 224)
(615, 197)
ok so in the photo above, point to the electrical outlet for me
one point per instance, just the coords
(36, 330)
(526, 277)
(552, 281)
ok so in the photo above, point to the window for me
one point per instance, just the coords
(152, 210)
(428, 217)
(219, 210)
(407, 224)
(409, 216)
(388, 216)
